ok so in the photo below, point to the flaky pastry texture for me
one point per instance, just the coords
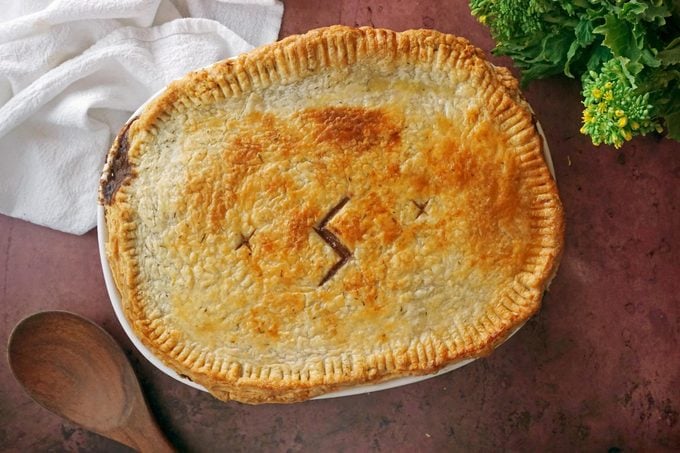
(339, 208)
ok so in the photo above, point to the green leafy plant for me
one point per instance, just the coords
(626, 53)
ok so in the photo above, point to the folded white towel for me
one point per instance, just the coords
(72, 72)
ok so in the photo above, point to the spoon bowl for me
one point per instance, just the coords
(73, 368)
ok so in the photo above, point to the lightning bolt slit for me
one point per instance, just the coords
(331, 239)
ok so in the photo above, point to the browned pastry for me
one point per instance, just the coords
(338, 208)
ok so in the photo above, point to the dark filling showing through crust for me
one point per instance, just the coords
(340, 249)
(245, 241)
(421, 207)
(120, 166)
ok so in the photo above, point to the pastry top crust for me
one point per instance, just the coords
(338, 208)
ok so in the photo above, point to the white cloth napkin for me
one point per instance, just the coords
(73, 71)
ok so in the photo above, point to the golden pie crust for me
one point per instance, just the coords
(339, 208)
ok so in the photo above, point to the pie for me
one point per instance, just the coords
(339, 208)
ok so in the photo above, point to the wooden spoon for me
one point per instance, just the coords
(73, 368)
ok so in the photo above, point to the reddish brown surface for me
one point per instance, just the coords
(598, 368)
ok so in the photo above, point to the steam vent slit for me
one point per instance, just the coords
(421, 207)
(245, 241)
(331, 239)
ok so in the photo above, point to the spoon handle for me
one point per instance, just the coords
(139, 429)
(142, 434)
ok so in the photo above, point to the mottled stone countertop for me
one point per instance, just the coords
(598, 369)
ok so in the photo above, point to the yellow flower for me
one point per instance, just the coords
(627, 135)
(622, 122)
(635, 125)
(597, 93)
(587, 116)
(619, 113)
(608, 96)
(608, 86)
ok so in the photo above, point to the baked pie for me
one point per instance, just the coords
(339, 208)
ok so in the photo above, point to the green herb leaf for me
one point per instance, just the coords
(657, 13)
(619, 37)
(673, 125)
(584, 37)
(671, 53)
(599, 55)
